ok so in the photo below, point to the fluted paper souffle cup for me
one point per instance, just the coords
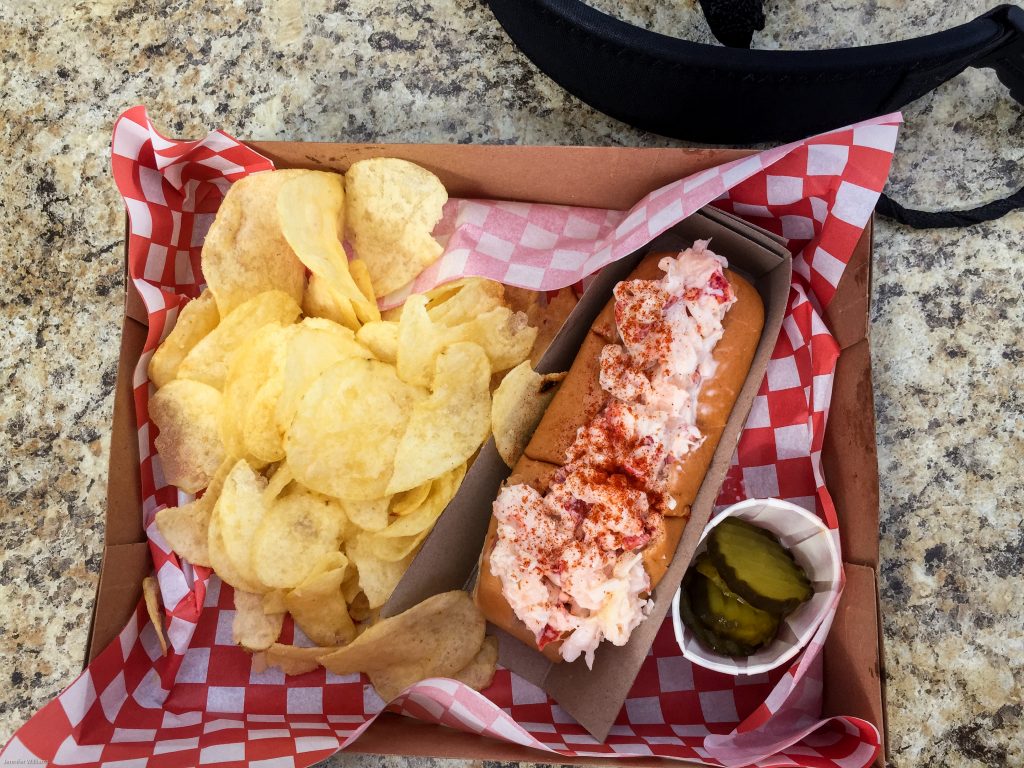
(814, 547)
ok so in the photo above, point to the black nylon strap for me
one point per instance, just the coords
(718, 95)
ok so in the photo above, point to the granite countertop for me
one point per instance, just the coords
(945, 324)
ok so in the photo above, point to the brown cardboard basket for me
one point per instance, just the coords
(588, 176)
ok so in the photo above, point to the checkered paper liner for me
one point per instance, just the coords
(204, 704)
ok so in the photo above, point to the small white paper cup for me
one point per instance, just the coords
(814, 548)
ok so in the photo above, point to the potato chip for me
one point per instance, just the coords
(358, 605)
(187, 528)
(296, 530)
(474, 297)
(395, 549)
(321, 302)
(293, 660)
(442, 490)
(435, 638)
(236, 518)
(377, 578)
(381, 338)
(446, 428)
(517, 407)
(319, 609)
(189, 442)
(361, 276)
(222, 565)
(506, 336)
(259, 361)
(403, 536)
(195, 320)
(312, 211)
(151, 595)
(277, 482)
(479, 673)
(391, 207)
(273, 601)
(209, 360)
(548, 319)
(419, 343)
(343, 438)
(314, 345)
(252, 628)
(521, 299)
(369, 515)
(245, 252)
(405, 502)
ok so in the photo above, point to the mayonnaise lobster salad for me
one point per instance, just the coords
(571, 560)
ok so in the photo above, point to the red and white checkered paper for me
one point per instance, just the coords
(204, 704)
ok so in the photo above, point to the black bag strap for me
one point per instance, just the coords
(1008, 62)
(652, 81)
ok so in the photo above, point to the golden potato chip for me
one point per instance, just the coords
(321, 302)
(151, 594)
(391, 207)
(377, 578)
(395, 549)
(312, 212)
(319, 609)
(446, 428)
(236, 518)
(314, 345)
(358, 605)
(381, 338)
(361, 276)
(343, 438)
(435, 638)
(479, 673)
(419, 343)
(403, 536)
(209, 360)
(442, 490)
(252, 628)
(273, 601)
(195, 320)
(405, 502)
(245, 252)
(293, 660)
(189, 443)
(259, 662)
(369, 515)
(222, 565)
(187, 528)
(474, 297)
(296, 530)
(506, 336)
(521, 299)
(548, 319)
(518, 405)
(258, 361)
(280, 479)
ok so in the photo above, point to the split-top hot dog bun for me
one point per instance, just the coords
(581, 398)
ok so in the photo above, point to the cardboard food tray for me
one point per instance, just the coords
(601, 177)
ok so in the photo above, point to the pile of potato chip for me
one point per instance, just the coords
(329, 438)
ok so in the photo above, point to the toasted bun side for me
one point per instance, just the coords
(579, 399)
(565, 414)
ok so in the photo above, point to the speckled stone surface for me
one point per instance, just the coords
(946, 323)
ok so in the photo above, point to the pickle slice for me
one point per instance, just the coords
(729, 617)
(692, 602)
(755, 566)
